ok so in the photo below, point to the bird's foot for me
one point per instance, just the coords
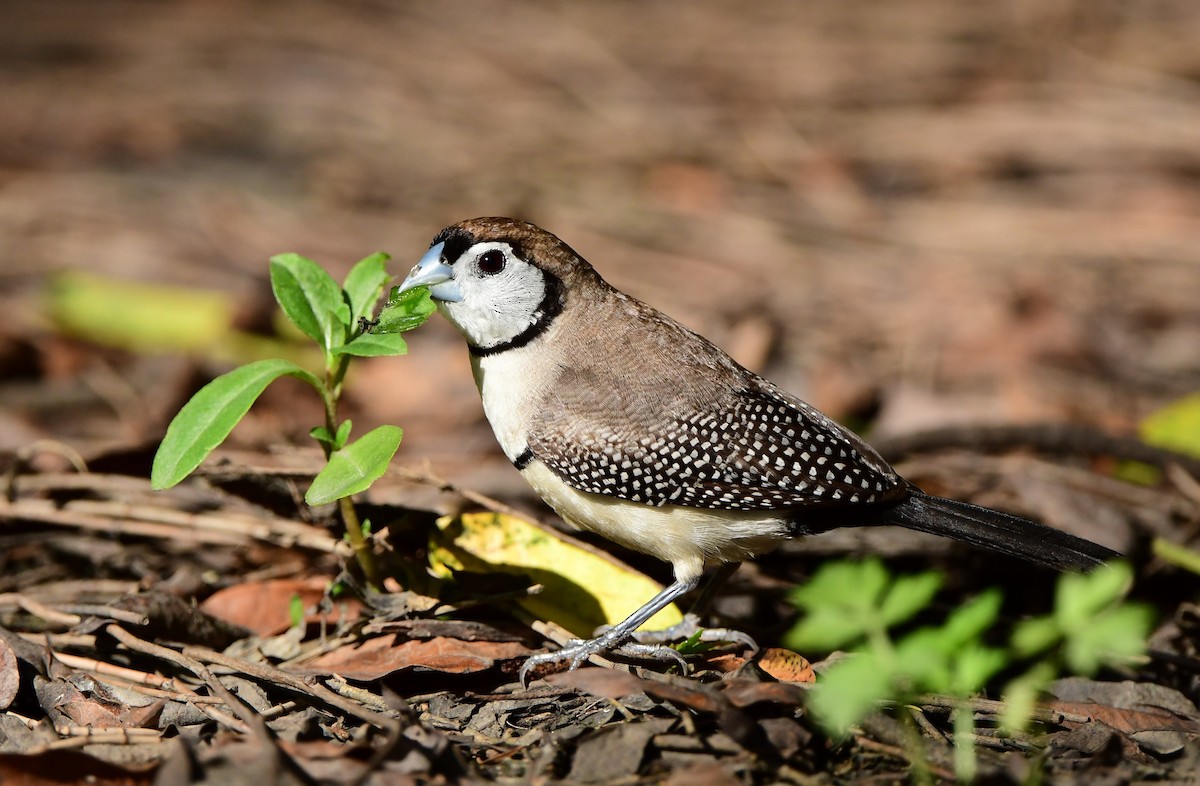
(651, 645)
(611, 640)
(690, 628)
(573, 653)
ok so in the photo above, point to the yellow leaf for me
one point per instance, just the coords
(158, 318)
(583, 588)
(137, 315)
(1175, 426)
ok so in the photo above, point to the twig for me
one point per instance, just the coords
(40, 610)
(88, 736)
(46, 512)
(74, 589)
(27, 452)
(925, 725)
(103, 668)
(1038, 713)
(896, 752)
(30, 723)
(185, 662)
(280, 532)
(167, 524)
(313, 690)
(339, 685)
(105, 611)
(69, 613)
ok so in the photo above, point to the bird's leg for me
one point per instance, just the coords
(578, 651)
(689, 626)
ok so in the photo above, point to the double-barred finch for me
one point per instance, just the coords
(632, 426)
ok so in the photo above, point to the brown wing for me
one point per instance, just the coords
(753, 451)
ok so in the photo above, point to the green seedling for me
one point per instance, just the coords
(857, 605)
(340, 321)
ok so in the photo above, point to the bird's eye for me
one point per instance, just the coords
(492, 262)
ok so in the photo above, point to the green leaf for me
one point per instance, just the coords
(907, 596)
(1137, 473)
(332, 441)
(370, 345)
(1115, 637)
(849, 690)
(938, 660)
(1080, 597)
(1035, 635)
(825, 631)
(969, 621)
(322, 435)
(841, 601)
(364, 284)
(693, 645)
(343, 434)
(296, 610)
(310, 298)
(355, 467)
(206, 420)
(1021, 695)
(1175, 426)
(1179, 556)
(924, 660)
(405, 310)
(973, 666)
(846, 584)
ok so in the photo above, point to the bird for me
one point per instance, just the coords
(631, 426)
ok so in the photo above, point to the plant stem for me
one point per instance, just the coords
(965, 763)
(362, 549)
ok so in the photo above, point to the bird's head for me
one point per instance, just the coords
(498, 280)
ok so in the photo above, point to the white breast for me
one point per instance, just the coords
(510, 385)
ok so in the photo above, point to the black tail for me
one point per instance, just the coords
(997, 531)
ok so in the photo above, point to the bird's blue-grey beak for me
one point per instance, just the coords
(432, 272)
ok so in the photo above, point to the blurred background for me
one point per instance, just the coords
(909, 213)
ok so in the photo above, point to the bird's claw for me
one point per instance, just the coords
(660, 653)
(644, 646)
(690, 627)
(573, 653)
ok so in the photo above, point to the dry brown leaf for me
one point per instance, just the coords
(605, 683)
(705, 774)
(614, 753)
(786, 666)
(380, 656)
(724, 662)
(83, 701)
(264, 607)
(10, 677)
(1146, 726)
(65, 767)
(744, 693)
(1158, 718)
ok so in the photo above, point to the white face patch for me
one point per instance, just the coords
(502, 295)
